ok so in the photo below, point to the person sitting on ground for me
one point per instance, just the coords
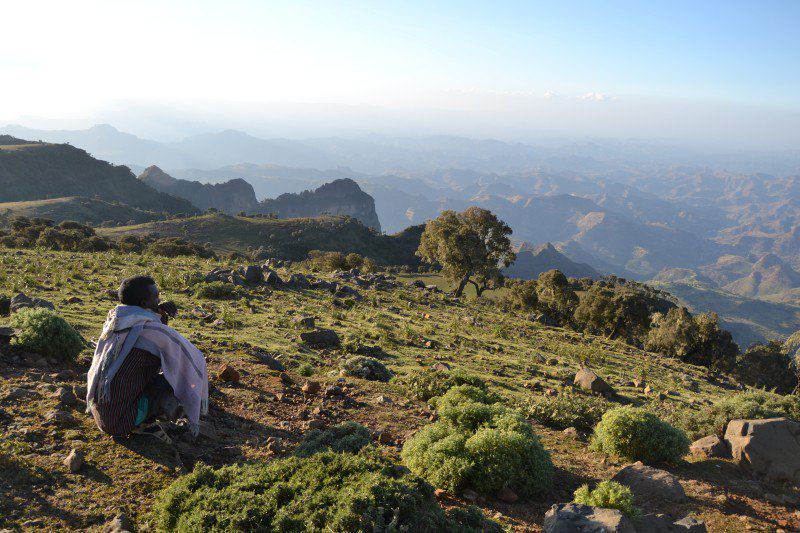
(143, 370)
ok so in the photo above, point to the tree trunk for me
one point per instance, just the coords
(461, 285)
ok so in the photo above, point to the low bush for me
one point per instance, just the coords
(568, 409)
(366, 368)
(45, 332)
(608, 495)
(348, 437)
(713, 419)
(325, 492)
(429, 383)
(634, 434)
(479, 445)
(218, 290)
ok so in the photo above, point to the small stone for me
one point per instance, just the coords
(74, 461)
(307, 322)
(442, 367)
(440, 493)
(65, 396)
(571, 432)
(229, 374)
(550, 392)
(74, 300)
(333, 390)
(384, 437)
(119, 524)
(310, 388)
(384, 400)
(286, 379)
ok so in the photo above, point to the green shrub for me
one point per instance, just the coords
(366, 368)
(348, 437)
(634, 434)
(218, 290)
(45, 332)
(429, 383)
(479, 445)
(608, 495)
(713, 419)
(305, 370)
(325, 492)
(568, 410)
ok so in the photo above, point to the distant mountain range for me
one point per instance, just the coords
(37, 171)
(532, 261)
(339, 197)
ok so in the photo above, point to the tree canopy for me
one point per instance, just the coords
(471, 247)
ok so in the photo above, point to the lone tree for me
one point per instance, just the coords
(471, 247)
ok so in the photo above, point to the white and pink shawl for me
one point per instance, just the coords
(183, 365)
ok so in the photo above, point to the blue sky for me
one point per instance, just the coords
(507, 58)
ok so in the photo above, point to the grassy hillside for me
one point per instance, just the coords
(284, 238)
(519, 360)
(42, 171)
(80, 209)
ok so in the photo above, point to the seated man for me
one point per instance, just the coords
(143, 369)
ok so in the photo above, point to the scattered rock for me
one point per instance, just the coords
(589, 380)
(304, 321)
(384, 400)
(21, 301)
(650, 484)
(74, 300)
(253, 274)
(310, 388)
(333, 390)
(384, 437)
(768, 447)
(575, 517)
(286, 379)
(572, 433)
(321, 338)
(544, 319)
(507, 495)
(266, 359)
(208, 430)
(659, 523)
(74, 461)
(299, 281)
(229, 374)
(119, 524)
(272, 278)
(65, 396)
(711, 446)
(442, 367)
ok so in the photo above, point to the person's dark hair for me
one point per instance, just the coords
(134, 290)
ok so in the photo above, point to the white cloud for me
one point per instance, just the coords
(596, 97)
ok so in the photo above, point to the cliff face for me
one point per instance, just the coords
(230, 197)
(339, 197)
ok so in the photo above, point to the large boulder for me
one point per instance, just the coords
(708, 447)
(650, 484)
(321, 338)
(590, 381)
(253, 274)
(576, 517)
(272, 278)
(769, 447)
(21, 301)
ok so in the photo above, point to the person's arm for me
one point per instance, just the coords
(167, 310)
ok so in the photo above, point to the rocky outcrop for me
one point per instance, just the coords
(230, 197)
(708, 447)
(572, 517)
(339, 197)
(590, 381)
(770, 448)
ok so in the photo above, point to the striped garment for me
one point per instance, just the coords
(138, 373)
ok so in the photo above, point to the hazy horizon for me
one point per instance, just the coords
(720, 75)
